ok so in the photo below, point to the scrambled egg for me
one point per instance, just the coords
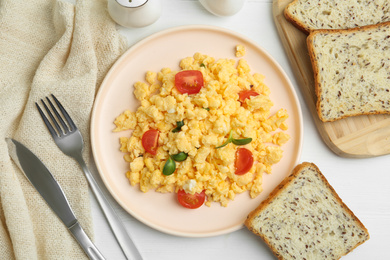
(240, 50)
(208, 118)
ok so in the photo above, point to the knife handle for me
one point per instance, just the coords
(85, 243)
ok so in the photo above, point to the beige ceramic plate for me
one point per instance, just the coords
(166, 49)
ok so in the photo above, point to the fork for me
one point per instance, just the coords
(70, 141)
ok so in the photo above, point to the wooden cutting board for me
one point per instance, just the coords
(356, 137)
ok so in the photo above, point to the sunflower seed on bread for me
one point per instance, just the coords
(351, 71)
(304, 218)
(308, 15)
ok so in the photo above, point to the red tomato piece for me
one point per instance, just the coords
(244, 161)
(191, 201)
(150, 141)
(247, 94)
(189, 81)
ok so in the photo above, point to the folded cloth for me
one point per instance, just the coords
(48, 47)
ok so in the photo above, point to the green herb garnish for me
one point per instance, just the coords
(169, 167)
(179, 157)
(179, 125)
(230, 139)
(242, 141)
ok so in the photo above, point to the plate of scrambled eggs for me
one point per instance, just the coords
(193, 127)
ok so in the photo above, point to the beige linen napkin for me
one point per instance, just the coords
(48, 46)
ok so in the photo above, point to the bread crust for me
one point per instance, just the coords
(314, 63)
(285, 184)
(297, 23)
(304, 27)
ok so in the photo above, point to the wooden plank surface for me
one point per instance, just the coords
(356, 137)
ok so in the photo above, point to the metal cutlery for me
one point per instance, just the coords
(42, 179)
(70, 141)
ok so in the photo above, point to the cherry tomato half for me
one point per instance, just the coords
(150, 141)
(246, 94)
(244, 161)
(191, 201)
(189, 81)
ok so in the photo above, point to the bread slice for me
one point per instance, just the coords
(304, 218)
(351, 71)
(308, 15)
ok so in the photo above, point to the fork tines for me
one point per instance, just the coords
(60, 131)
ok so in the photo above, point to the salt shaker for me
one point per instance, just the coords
(134, 13)
(223, 7)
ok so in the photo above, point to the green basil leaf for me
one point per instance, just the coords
(169, 167)
(179, 124)
(179, 157)
(242, 141)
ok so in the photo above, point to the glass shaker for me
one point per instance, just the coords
(223, 7)
(134, 13)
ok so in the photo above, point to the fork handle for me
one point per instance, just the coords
(127, 245)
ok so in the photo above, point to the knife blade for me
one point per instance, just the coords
(42, 179)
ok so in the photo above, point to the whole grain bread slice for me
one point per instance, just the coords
(351, 71)
(304, 218)
(308, 15)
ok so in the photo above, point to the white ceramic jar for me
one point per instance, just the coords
(223, 7)
(134, 13)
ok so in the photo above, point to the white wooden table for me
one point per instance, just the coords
(363, 184)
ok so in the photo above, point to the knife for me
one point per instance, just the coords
(41, 178)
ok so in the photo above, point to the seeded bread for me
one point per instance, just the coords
(351, 71)
(304, 218)
(308, 15)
